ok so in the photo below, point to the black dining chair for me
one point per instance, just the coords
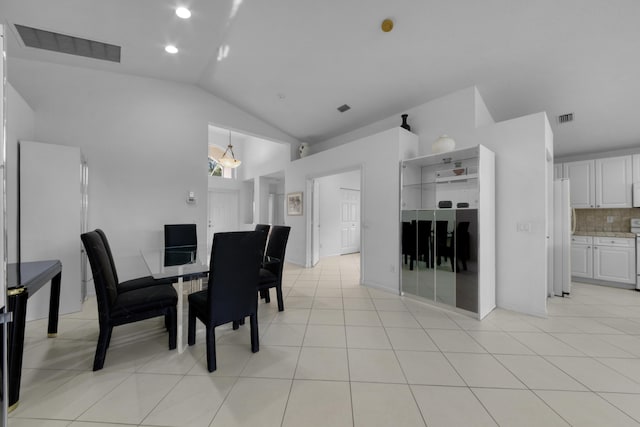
(117, 307)
(131, 284)
(180, 244)
(231, 295)
(265, 229)
(271, 272)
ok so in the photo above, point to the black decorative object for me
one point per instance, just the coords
(404, 122)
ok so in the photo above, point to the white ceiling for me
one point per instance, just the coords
(293, 62)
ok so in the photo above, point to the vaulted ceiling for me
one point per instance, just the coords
(293, 62)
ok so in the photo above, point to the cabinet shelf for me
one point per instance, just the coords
(456, 178)
(443, 180)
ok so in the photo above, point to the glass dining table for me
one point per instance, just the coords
(180, 265)
(184, 266)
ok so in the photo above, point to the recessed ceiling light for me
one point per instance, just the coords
(171, 49)
(183, 13)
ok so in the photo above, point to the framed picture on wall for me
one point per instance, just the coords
(294, 203)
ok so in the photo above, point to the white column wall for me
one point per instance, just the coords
(521, 198)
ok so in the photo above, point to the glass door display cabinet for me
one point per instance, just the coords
(447, 211)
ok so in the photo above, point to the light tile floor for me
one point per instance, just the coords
(344, 355)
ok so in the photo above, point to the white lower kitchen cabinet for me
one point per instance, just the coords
(608, 259)
(582, 256)
(614, 260)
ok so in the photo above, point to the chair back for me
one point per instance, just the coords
(180, 244)
(109, 254)
(264, 229)
(233, 275)
(104, 277)
(277, 246)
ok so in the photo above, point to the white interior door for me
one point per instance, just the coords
(222, 214)
(51, 219)
(350, 221)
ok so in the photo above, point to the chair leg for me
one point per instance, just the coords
(255, 343)
(211, 348)
(191, 332)
(101, 348)
(279, 296)
(267, 296)
(172, 318)
(237, 323)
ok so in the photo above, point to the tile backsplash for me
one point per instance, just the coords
(596, 219)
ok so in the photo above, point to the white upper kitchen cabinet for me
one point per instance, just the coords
(582, 180)
(600, 183)
(613, 182)
(636, 167)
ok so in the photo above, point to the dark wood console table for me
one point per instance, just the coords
(24, 282)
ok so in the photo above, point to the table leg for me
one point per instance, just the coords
(180, 289)
(16, 303)
(54, 305)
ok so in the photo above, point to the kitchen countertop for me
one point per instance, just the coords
(627, 234)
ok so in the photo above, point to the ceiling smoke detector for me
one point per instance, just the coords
(343, 108)
(387, 25)
(565, 118)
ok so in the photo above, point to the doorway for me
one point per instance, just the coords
(349, 221)
(335, 219)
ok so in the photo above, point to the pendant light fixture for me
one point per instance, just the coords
(229, 161)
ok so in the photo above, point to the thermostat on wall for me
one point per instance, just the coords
(191, 198)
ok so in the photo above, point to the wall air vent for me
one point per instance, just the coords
(56, 42)
(343, 108)
(565, 118)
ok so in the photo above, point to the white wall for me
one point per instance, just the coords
(454, 115)
(145, 141)
(20, 126)
(521, 198)
(521, 193)
(330, 204)
(376, 155)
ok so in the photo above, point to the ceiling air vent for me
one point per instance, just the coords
(343, 108)
(565, 118)
(56, 42)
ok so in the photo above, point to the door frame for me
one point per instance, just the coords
(310, 179)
